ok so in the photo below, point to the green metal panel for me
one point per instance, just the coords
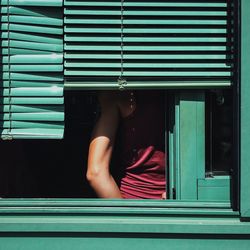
(114, 241)
(160, 44)
(31, 90)
(245, 110)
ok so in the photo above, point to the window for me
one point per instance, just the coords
(187, 49)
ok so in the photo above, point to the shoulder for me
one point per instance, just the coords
(107, 96)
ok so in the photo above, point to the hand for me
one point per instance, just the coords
(164, 196)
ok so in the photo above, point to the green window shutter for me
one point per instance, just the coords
(148, 43)
(31, 90)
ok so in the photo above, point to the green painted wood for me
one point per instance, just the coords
(191, 142)
(217, 188)
(121, 241)
(245, 111)
(124, 224)
(21, 204)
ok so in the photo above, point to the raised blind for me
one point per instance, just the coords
(147, 44)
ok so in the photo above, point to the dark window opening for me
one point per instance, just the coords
(219, 132)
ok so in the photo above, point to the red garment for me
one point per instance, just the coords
(143, 146)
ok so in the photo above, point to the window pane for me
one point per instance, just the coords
(219, 132)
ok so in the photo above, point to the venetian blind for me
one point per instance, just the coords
(31, 87)
(148, 44)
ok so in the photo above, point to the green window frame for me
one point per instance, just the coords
(89, 215)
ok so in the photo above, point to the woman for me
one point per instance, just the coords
(139, 116)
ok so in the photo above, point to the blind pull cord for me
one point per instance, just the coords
(121, 80)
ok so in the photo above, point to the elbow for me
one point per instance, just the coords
(94, 174)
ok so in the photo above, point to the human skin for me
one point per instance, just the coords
(114, 106)
(101, 147)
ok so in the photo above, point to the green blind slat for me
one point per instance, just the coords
(147, 73)
(35, 91)
(17, 51)
(15, 84)
(147, 48)
(31, 108)
(36, 68)
(34, 59)
(80, 20)
(33, 20)
(33, 77)
(31, 11)
(31, 38)
(31, 102)
(40, 116)
(147, 65)
(79, 38)
(76, 11)
(143, 4)
(34, 46)
(32, 29)
(27, 124)
(146, 31)
(35, 133)
(137, 56)
(39, 3)
(163, 41)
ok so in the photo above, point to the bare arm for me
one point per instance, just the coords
(101, 147)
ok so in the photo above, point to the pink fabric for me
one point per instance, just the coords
(142, 143)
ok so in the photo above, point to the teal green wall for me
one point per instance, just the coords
(122, 242)
(245, 109)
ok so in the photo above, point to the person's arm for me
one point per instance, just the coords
(101, 147)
